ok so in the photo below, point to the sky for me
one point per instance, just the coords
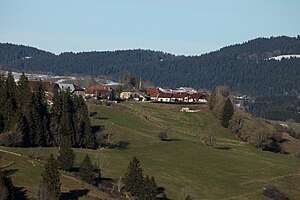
(181, 27)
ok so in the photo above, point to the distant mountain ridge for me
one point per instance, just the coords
(243, 67)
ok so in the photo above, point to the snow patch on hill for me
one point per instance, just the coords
(284, 56)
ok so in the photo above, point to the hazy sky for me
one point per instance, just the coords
(176, 26)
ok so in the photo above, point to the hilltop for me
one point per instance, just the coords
(243, 67)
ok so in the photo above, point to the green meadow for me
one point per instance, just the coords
(183, 165)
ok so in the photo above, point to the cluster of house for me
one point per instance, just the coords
(170, 95)
(167, 95)
(50, 88)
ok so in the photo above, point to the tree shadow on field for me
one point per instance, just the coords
(20, 193)
(224, 148)
(97, 128)
(161, 194)
(9, 172)
(73, 194)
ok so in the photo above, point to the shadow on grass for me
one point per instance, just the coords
(161, 194)
(9, 172)
(20, 193)
(73, 194)
(224, 148)
(97, 128)
(170, 140)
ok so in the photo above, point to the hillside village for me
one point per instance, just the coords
(104, 92)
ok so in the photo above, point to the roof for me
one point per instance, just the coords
(66, 86)
(92, 89)
(47, 85)
(165, 95)
(180, 95)
(152, 92)
(198, 96)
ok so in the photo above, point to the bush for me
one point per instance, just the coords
(273, 193)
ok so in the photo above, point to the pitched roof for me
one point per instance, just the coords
(92, 89)
(199, 96)
(180, 95)
(47, 85)
(152, 92)
(165, 95)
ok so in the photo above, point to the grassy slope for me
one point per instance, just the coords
(184, 165)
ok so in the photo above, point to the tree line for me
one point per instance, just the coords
(243, 67)
(27, 120)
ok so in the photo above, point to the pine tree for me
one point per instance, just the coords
(66, 156)
(2, 100)
(227, 113)
(49, 188)
(56, 113)
(134, 177)
(148, 189)
(40, 118)
(9, 104)
(86, 170)
(23, 93)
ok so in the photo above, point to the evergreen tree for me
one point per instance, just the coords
(9, 104)
(227, 113)
(23, 94)
(67, 113)
(148, 189)
(40, 118)
(66, 155)
(134, 177)
(2, 100)
(49, 188)
(56, 114)
(86, 170)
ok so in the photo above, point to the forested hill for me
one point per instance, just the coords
(243, 67)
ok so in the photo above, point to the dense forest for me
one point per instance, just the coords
(27, 120)
(243, 67)
(276, 107)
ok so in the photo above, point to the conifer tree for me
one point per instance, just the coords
(9, 101)
(227, 113)
(56, 113)
(134, 177)
(86, 170)
(49, 188)
(2, 100)
(148, 189)
(40, 118)
(23, 94)
(66, 156)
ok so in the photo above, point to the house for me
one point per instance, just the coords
(74, 89)
(198, 98)
(134, 94)
(167, 90)
(100, 91)
(152, 93)
(164, 97)
(49, 86)
(181, 97)
(187, 90)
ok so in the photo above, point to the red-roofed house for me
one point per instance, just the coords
(164, 97)
(48, 86)
(100, 91)
(152, 93)
(198, 97)
(181, 97)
